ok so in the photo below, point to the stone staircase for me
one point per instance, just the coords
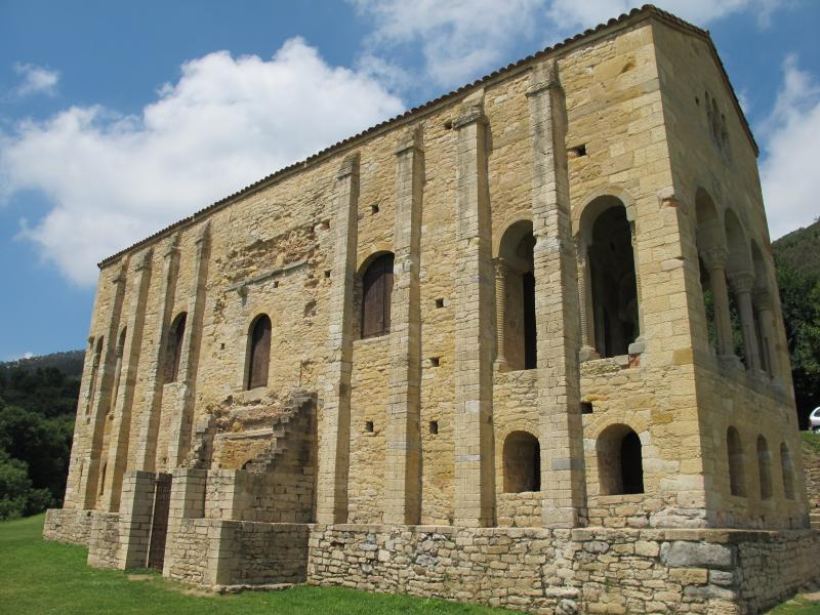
(296, 418)
(296, 414)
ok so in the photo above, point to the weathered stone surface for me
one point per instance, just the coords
(696, 554)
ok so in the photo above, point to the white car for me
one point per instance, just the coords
(814, 420)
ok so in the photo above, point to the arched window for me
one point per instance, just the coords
(612, 303)
(763, 312)
(117, 371)
(515, 296)
(787, 467)
(377, 286)
(173, 347)
(102, 479)
(522, 463)
(734, 448)
(711, 258)
(95, 368)
(620, 461)
(764, 468)
(258, 352)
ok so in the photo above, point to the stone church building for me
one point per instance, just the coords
(521, 345)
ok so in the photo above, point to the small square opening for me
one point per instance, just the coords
(368, 426)
(374, 208)
(434, 427)
(439, 303)
(327, 273)
(435, 361)
(586, 407)
(577, 151)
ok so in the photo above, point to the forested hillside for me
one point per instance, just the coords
(797, 256)
(38, 399)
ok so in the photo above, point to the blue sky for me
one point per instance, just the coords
(118, 118)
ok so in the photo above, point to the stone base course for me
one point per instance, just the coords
(69, 526)
(586, 570)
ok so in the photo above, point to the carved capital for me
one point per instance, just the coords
(471, 111)
(410, 141)
(144, 261)
(667, 197)
(350, 166)
(742, 281)
(544, 77)
(714, 258)
(204, 234)
(500, 266)
(171, 247)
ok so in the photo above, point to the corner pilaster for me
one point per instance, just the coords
(334, 417)
(403, 489)
(556, 307)
(149, 422)
(474, 331)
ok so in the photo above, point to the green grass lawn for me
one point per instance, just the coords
(46, 577)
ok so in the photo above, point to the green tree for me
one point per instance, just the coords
(17, 496)
(800, 300)
(43, 445)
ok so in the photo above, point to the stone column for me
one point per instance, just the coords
(501, 270)
(121, 421)
(638, 345)
(474, 449)
(101, 404)
(334, 417)
(136, 512)
(182, 422)
(152, 403)
(715, 261)
(765, 315)
(587, 351)
(742, 283)
(403, 488)
(556, 308)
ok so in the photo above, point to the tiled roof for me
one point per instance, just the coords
(634, 16)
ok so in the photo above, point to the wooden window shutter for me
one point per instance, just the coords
(377, 284)
(259, 353)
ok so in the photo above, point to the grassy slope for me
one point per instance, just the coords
(45, 577)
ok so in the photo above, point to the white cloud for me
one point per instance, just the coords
(791, 183)
(227, 122)
(572, 13)
(35, 80)
(462, 39)
(458, 39)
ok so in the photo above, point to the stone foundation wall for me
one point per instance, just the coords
(773, 566)
(211, 553)
(104, 541)
(263, 553)
(190, 551)
(67, 525)
(591, 570)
